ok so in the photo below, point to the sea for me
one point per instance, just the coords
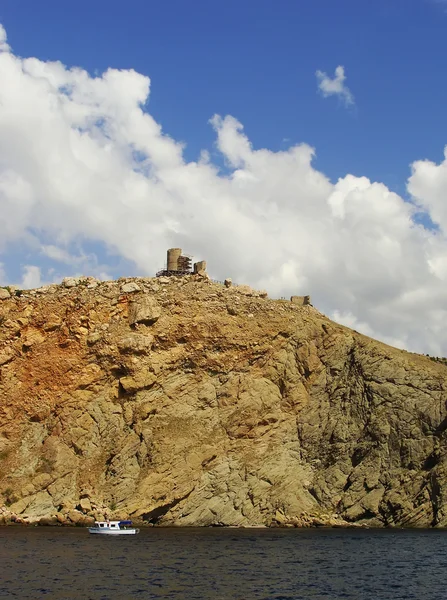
(223, 564)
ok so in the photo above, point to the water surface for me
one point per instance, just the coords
(221, 564)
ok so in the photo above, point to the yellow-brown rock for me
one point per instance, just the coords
(183, 402)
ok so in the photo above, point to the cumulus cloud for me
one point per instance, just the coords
(31, 277)
(82, 163)
(335, 86)
(4, 47)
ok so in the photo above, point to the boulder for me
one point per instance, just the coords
(245, 290)
(70, 282)
(85, 505)
(75, 516)
(93, 338)
(49, 521)
(129, 288)
(53, 322)
(6, 355)
(135, 343)
(4, 294)
(144, 310)
(32, 336)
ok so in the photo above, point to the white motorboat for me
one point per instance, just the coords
(113, 528)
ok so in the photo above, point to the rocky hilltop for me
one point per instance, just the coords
(178, 401)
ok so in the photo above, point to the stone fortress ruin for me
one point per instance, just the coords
(179, 264)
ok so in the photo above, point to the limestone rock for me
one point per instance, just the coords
(53, 322)
(6, 355)
(40, 505)
(32, 336)
(245, 290)
(130, 287)
(48, 521)
(144, 310)
(139, 381)
(4, 294)
(70, 282)
(136, 343)
(85, 504)
(93, 338)
(75, 516)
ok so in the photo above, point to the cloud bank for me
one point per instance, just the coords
(83, 163)
(335, 86)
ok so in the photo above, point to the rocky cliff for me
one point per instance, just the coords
(178, 401)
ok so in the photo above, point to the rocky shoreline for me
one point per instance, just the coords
(80, 520)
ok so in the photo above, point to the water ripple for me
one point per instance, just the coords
(221, 564)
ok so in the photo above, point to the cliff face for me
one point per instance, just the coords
(181, 402)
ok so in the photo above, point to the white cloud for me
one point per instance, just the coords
(335, 86)
(31, 277)
(352, 322)
(58, 254)
(82, 163)
(4, 47)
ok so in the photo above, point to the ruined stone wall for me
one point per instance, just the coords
(300, 300)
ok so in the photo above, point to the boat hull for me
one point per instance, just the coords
(96, 531)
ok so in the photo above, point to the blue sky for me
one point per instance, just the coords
(257, 60)
(90, 183)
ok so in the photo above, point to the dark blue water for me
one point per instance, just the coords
(220, 564)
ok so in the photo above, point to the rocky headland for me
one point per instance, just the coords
(179, 401)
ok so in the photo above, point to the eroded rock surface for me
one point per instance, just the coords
(177, 401)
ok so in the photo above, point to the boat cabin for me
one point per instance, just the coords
(111, 524)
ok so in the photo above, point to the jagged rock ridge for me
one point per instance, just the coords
(178, 401)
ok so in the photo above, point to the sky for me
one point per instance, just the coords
(298, 146)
